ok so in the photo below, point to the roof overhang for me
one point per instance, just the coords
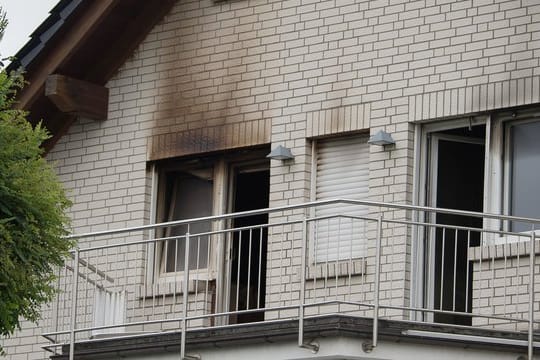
(73, 54)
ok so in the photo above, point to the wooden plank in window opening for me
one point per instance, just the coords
(216, 138)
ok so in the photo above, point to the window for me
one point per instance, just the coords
(202, 187)
(341, 170)
(483, 164)
(509, 173)
(456, 181)
(190, 195)
(523, 171)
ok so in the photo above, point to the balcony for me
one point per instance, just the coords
(466, 277)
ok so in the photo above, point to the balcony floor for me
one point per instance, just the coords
(323, 327)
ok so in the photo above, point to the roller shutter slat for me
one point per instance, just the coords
(342, 172)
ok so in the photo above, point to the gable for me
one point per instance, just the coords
(86, 41)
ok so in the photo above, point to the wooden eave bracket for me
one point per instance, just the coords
(77, 97)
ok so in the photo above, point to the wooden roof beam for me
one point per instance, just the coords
(77, 97)
(58, 54)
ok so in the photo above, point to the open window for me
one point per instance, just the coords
(188, 194)
(456, 181)
(484, 164)
(248, 247)
(232, 261)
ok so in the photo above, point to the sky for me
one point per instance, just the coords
(24, 17)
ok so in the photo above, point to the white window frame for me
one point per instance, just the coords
(223, 165)
(500, 189)
(157, 260)
(497, 165)
(507, 163)
(425, 197)
(496, 181)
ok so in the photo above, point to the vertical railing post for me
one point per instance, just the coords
(74, 296)
(185, 299)
(377, 282)
(531, 296)
(312, 346)
(56, 306)
(302, 285)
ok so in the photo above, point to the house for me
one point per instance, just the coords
(292, 179)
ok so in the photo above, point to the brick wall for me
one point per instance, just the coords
(502, 274)
(219, 75)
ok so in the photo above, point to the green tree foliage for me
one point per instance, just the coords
(33, 224)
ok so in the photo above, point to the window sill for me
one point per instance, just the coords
(506, 247)
(171, 288)
(506, 239)
(336, 269)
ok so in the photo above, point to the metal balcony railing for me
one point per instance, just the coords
(366, 259)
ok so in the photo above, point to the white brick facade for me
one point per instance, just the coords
(222, 75)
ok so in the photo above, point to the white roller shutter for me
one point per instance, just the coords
(109, 309)
(342, 167)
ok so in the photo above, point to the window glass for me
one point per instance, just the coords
(190, 197)
(524, 172)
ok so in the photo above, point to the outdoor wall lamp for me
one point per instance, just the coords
(381, 138)
(280, 153)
